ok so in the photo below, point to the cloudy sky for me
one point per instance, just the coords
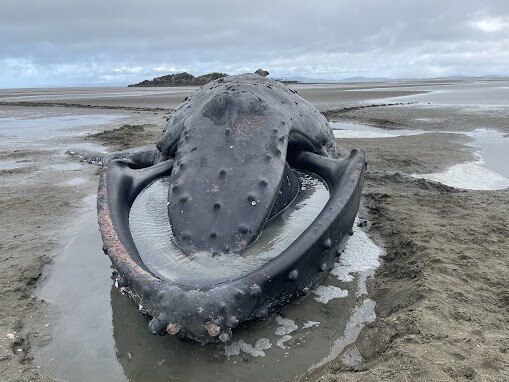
(116, 42)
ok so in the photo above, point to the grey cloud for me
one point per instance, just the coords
(332, 38)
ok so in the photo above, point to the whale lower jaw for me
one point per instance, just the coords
(209, 312)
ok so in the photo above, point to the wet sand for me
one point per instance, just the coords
(441, 293)
(323, 96)
(41, 200)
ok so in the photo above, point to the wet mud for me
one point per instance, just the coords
(440, 296)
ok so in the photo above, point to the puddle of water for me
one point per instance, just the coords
(357, 130)
(101, 336)
(490, 172)
(11, 164)
(468, 176)
(79, 288)
(493, 148)
(72, 94)
(153, 236)
(42, 128)
(362, 314)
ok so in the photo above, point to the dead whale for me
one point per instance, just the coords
(230, 158)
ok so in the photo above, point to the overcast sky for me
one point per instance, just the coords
(116, 42)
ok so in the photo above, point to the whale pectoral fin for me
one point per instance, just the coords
(137, 157)
(333, 171)
(127, 182)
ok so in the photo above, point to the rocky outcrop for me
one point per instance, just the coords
(181, 79)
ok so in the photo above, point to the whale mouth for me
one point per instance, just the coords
(153, 236)
(204, 296)
(241, 207)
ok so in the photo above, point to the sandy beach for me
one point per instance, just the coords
(441, 292)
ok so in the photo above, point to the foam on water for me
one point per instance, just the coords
(326, 293)
(310, 324)
(286, 326)
(360, 255)
(468, 176)
(256, 351)
(280, 343)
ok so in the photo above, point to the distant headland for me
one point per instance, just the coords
(186, 79)
(181, 79)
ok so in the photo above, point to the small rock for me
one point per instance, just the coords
(262, 72)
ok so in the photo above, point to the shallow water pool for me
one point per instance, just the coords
(101, 336)
(43, 127)
(357, 130)
(153, 236)
(489, 172)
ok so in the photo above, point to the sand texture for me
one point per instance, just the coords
(441, 293)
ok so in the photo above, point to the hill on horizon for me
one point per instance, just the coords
(181, 79)
(186, 79)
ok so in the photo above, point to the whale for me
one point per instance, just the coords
(230, 162)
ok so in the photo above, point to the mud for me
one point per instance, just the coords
(123, 137)
(41, 199)
(441, 294)
(442, 291)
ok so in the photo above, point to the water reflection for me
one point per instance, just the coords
(101, 336)
(153, 236)
(50, 126)
(489, 172)
(146, 357)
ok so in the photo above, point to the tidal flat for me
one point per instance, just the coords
(435, 308)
